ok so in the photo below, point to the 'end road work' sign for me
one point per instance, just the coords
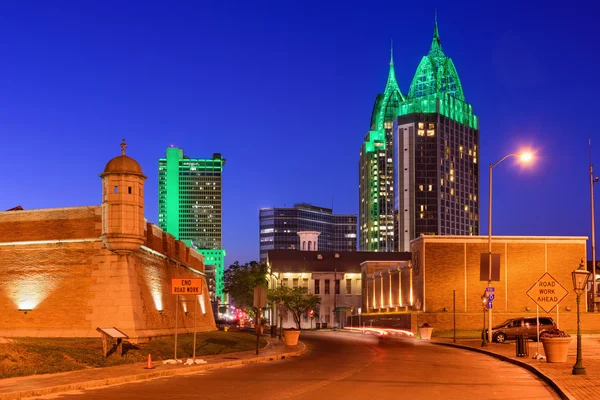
(547, 292)
(186, 286)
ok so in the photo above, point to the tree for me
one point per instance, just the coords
(240, 281)
(297, 300)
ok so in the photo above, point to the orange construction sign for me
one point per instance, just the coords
(186, 286)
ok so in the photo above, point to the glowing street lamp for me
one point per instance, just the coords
(525, 157)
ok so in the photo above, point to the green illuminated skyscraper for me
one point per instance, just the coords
(190, 205)
(421, 153)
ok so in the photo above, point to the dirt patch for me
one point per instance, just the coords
(4, 340)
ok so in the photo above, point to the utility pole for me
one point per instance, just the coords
(592, 181)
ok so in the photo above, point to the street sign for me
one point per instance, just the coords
(492, 296)
(489, 289)
(186, 286)
(260, 296)
(547, 292)
(489, 304)
(484, 267)
(311, 313)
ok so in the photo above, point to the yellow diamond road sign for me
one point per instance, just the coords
(547, 292)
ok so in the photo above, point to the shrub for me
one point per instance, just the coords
(554, 333)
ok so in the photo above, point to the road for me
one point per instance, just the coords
(347, 366)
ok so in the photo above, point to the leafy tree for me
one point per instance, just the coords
(297, 300)
(240, 281)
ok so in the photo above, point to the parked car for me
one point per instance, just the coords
(509, 329)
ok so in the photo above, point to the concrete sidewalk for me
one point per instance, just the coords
(39, 385)
(558, 375)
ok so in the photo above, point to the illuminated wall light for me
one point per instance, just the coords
(202, 305)
(28, 291)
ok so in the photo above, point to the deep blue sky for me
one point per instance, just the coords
(284, 90)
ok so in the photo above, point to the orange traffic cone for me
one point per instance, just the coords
(149, 362)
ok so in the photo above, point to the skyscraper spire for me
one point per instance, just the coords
(436, 44)
(391, 51)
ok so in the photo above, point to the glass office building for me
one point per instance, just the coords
(279, 227)
(434, 151)
(190, 205)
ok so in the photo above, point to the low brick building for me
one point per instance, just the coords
(444, 268)
(67, 271)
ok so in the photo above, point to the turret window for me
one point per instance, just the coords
(129, 190)
(116, 190)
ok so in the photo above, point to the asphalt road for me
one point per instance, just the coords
(347, 366)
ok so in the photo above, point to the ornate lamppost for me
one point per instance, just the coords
(580, 279)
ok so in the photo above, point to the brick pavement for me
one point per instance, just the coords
(579, 387)
(39, 385)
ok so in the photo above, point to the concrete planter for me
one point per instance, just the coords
(556, 349)
(426, 333)
(291, 337)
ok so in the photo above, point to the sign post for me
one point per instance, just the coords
(190, 286)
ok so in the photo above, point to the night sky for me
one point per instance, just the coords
(284, 90)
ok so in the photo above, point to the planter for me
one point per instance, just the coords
(556, 349)
(291, 337)
(426, 333)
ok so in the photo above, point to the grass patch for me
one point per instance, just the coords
(30, 356)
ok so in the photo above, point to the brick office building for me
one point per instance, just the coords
(444, 266)
(67, 271)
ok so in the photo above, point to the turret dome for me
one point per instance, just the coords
(123, 164)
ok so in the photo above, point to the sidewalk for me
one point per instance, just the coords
(39, 385)
(558, 375)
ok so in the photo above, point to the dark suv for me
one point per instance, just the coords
(509, 329)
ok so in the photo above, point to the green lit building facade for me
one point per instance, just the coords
(431, 138)
(190, 205)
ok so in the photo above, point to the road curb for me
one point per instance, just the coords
(563, 395)
(183, 370)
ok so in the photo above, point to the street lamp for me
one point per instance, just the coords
(524, 157)
(580, 280)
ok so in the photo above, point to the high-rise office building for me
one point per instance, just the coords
(279, 228)
(190, 205)
(434, 150)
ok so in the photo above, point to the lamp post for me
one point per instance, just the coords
(580, 279)
(524, 157)
(484, 298)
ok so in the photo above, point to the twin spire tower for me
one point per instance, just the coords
(418, 168)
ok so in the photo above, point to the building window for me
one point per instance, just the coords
(295, 283)
(337, 286)
(284, 282)
(327, 286)
(305, 283)
(129, 189)
(116, 190)
(348, 286)
(317, 288)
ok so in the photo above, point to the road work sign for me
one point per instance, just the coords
(547, 292)
(186, 286)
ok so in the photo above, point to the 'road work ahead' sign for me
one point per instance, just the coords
(186, 286)
(547, 292)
